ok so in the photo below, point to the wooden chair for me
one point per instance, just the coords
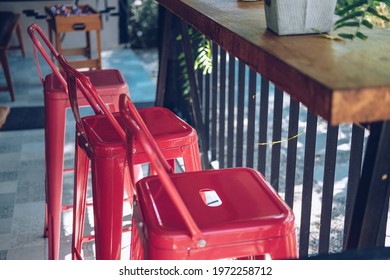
(9, 24)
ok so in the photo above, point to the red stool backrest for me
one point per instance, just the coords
(32, 29)
(136, 129)
(78, 81)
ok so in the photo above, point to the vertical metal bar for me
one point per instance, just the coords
(250, 143)
(276, 136)
(240, 114)
(207, 109)
(231, 110)
(222, 109)
(373, 191)
(163, 63)
(214, 102)
(307, 190)
(194, 92)
(355, 166)
(383, 225)
(328, 187)
(292, 152)
(200, 79)
(263, 125)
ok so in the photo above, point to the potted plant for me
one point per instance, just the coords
(289, 17)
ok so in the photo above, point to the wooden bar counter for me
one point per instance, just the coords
(340, 81)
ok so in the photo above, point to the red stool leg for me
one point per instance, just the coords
(79, 199)
(191, 158)
(171, 163)
(284, 247)
(54, 158)
(136, 249)
(108, 189)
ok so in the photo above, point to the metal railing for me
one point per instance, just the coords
(314, 166)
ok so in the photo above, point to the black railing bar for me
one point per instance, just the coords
(276, 137)
(263, 125)
(207, 90)
(354, 171)
(250, 136)
(222, 108)
(240, 113)
(231, 110)
(214, 100)
(291, 161)
(163, 58)
(328, 188)
(383, 225)
(307, 186)
(200, 79)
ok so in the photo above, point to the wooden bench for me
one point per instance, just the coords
(9, 24)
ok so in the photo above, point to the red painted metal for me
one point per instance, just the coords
(212, 214)
(101, 139)
(109, 84)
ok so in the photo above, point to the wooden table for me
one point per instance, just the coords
(343, 82)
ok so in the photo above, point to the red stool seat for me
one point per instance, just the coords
(212, 214)
(251, 220)
(175, 137)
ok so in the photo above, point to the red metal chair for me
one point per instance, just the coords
(109, 84)
(101, 140)
(213, 214)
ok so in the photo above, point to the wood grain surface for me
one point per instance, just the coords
(340, 81)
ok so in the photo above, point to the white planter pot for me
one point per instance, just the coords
(288, 17)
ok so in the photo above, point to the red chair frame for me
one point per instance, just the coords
(109, 84)
(172, 218)
(101, 139)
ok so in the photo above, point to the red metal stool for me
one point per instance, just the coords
(213, 214)
(108, 82)
(100, 139)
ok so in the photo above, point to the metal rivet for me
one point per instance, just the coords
(141, 224)
(134, 150)
(86, 144)
(201, 243)
(384, 177)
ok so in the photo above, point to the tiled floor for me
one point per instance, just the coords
(22, 158)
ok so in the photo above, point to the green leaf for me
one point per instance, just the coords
(347, 24)
(346, 36)
(350, 16)
(374, 12)
(351, 7)
(360, 35)
(367, 24)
